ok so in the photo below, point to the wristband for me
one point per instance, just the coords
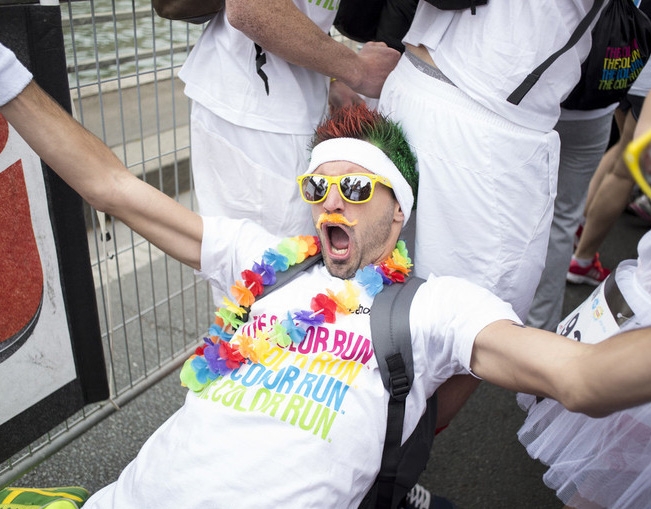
(14, 77)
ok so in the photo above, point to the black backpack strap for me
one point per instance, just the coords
(616, 301)
(518, 94)
(392, 346)
(260, 60)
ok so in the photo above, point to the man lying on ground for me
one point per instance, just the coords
(287, 406)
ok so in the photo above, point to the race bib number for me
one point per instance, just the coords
(592, 321)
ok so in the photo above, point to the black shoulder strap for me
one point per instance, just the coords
(392, 346)
(518, 94)
(616, 301)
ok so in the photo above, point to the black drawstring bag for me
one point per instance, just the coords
(621, 42)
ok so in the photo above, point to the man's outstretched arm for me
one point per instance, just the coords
(89, 167)
(594, 379)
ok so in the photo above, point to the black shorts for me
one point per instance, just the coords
(633, 103)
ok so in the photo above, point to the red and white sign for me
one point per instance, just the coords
(35, 347)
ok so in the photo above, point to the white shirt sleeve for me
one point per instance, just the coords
(14, 77)
(446, 315)
(229, 246)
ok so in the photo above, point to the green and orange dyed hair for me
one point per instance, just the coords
(362, 123)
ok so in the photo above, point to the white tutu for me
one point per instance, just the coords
(605, 462)
(592, 462)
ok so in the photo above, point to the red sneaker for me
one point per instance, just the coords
(641, 207)
(593, 274)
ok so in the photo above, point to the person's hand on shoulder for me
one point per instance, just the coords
(377, 61)
(341, 95)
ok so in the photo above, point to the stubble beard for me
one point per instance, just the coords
(370, 246)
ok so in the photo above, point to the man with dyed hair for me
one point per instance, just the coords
(286, 406)
(370, 125)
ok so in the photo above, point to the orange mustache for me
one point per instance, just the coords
(334, 218)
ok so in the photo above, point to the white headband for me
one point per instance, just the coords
(369, 157)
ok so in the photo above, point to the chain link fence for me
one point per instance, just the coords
(122, 64)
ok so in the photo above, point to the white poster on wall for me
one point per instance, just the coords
(36, 357)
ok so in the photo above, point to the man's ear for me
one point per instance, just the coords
(398, 214)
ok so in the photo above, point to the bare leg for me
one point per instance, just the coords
(609, 199)
(607, 162)
(605, 166)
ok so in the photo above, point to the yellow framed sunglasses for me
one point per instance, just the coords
(638, 159)
(353, 187)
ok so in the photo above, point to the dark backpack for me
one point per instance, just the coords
(577, 103)
(387, 20)
(375, 20)
(621, 45)
(401, 464)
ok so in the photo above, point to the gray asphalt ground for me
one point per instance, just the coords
(477, 462)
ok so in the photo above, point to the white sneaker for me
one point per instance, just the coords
(417, 498)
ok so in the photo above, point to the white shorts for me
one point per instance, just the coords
(246, 173)
(486, 186)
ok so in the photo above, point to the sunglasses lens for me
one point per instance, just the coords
(314, 188)
(356, 187)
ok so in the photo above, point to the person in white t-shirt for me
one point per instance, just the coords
(293, 404)
(488, 168)
(250, 129)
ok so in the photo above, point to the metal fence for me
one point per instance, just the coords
(123, 62)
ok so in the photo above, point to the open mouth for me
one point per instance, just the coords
(337, 241)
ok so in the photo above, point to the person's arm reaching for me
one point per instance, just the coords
(280, 28)
(89, 167)
(593, 379)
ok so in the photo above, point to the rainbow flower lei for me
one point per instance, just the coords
(224, 350)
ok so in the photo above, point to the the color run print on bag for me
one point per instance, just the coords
(21, 274)
(621, 44)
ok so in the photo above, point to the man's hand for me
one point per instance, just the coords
(279, 27)
(341, 95)
(377, 60)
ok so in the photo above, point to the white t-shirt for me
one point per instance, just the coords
(220, 74)
(488, 55)
(305, 427)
